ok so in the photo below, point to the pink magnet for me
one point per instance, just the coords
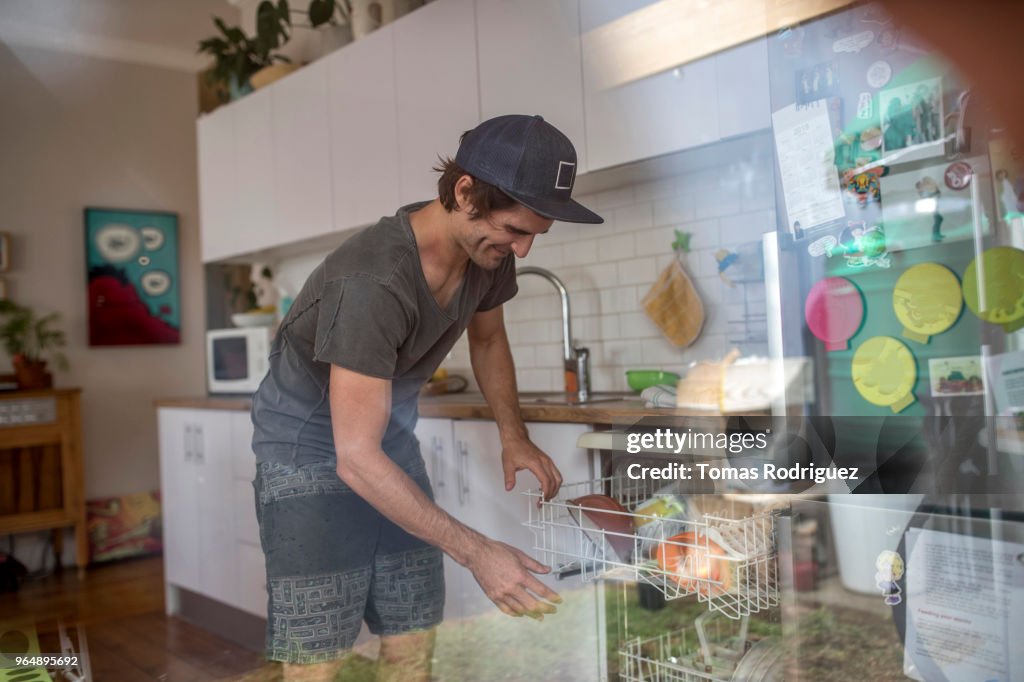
(958, 175)
(834, 310)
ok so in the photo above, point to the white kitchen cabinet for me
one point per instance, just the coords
(215, 135)
(570, 636)
(743, 99)
(364, 129)
(529, 60)
(255, 194)
(662, 113)
(436, 85)
(199, 529)
(301, 137)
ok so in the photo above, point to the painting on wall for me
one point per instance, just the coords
(132, 265)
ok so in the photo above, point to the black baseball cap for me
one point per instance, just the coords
(528, 159)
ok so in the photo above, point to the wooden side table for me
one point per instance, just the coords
(42, 483)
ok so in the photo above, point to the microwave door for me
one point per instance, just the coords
(230, 359)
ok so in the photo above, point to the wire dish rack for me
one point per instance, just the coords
(704, 653)
(594, 530)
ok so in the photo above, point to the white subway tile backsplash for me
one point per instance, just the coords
(600, 276)
(633, 218)
(610, 328)
(678, 209)
(534, 380)
(579, 252)
(587, 302)
(638, 271)
(616, 247)
(655, 241)
(613, 198)
(547, 255)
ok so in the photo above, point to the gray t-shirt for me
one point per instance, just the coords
(367, 307)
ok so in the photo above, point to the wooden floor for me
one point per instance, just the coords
(121, 609)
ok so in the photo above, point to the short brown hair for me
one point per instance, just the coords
(484, 197)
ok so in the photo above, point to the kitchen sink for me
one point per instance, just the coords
(568, 399)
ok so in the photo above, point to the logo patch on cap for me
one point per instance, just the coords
(566, 174)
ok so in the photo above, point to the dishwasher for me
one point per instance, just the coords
(704, 584)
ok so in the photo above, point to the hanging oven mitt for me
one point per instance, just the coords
(673, 302)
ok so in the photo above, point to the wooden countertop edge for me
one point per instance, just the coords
(451, 408)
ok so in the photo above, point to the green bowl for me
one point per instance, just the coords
(639, 379)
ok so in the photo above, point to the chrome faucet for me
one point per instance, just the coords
(577, 360)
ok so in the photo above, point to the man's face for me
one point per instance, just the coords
(489, 240)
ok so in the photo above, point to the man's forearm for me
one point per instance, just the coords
(495, 373)
(378, 480)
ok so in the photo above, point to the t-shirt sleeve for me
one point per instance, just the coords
(360, 326)
(504, 286)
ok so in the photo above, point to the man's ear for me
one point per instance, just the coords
(462, 186)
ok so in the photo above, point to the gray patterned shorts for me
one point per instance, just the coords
(334, 561)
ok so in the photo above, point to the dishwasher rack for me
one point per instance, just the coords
(729, 563)
(703, 653)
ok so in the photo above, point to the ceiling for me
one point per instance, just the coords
(154, 32)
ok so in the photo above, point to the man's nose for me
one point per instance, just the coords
(522, 244)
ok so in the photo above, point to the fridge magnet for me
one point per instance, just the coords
(879, 74)
(863, 246)
(927, 301)
(863, 187)
(855, 43)
(1008, 172)
(884, 373)
(889, 566)
(912, 119)
(817, 82)
(865, 108)
(920, 209)
(132, 265)
(956, 376)
(958, 175)
(999, 296)
(889, 39)
(822, 246)
(834, 311)
(725, 260)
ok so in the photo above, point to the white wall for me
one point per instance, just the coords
(608, 268)
(80, 132)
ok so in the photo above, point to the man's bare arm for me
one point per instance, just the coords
(491, 357)
(502, 571)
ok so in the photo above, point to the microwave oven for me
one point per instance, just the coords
(237, 359)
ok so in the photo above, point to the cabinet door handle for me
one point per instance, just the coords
(200, 444)
(438, 449)
(463, 471)
(188, 442)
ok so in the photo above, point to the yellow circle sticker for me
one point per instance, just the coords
(884, 373)
(927, 301)
(994, 288)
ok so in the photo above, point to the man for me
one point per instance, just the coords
(347, 519)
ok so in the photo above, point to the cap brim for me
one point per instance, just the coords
(569, 211)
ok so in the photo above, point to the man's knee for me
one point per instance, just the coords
(410, 648)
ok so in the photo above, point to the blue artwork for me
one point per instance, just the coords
(132, 264)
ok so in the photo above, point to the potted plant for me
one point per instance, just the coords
(31, 341)
(324, 17)
(238, 59)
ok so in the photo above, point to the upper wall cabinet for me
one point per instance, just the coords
(529, 52)
(302, 156)
(215, 135)
(636, 108)
(646, 117)
(364, 129)
(743, 100)
(255, 195)
(436, 81)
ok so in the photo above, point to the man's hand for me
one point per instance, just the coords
(523, 454)
(504, 574)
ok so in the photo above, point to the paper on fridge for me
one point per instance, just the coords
(965, 607)
(807, 163)
(1006, 379)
